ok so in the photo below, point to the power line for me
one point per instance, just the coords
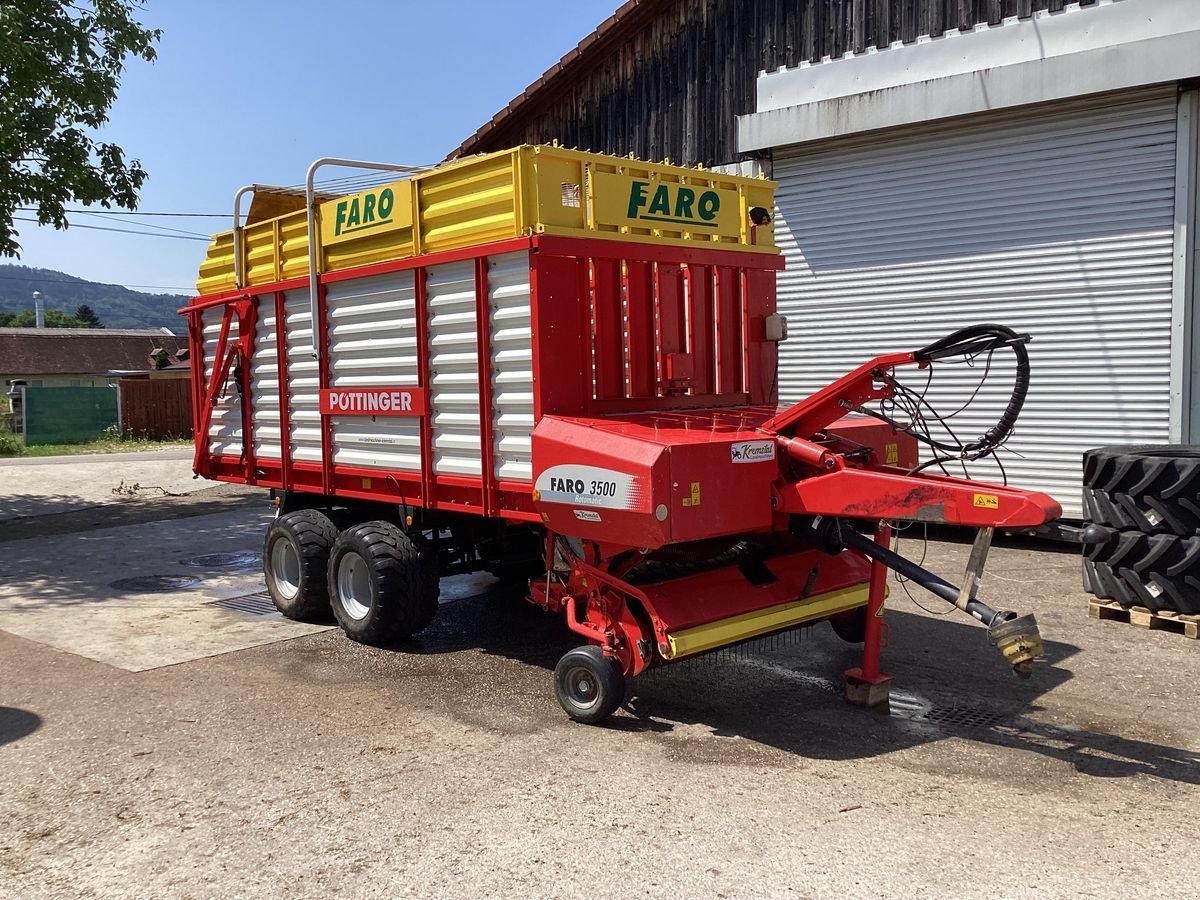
(152, 225)
(178, 237)
(134, 212)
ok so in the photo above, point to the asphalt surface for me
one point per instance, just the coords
(444, 767)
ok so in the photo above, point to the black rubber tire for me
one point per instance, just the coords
(311, 534)
(1158, 571)
(590, 686)
(1154, 489)
(852, 627)
(402, 578)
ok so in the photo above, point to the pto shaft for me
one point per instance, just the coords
(1016, 636)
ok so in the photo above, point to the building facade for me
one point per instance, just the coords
(1031, 164)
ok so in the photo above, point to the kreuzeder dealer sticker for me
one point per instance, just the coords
(752, 451)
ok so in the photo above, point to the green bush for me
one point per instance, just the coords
(10, 444)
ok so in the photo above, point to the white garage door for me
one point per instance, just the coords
(1058, 222)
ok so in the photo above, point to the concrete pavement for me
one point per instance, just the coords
(443, 767)
(38, 486)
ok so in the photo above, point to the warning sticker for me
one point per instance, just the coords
(693, 499)
(987, 501)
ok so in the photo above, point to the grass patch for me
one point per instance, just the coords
(110, 442)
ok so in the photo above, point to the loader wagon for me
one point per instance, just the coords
(560, 367)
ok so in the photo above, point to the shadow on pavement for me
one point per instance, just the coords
(85, 516)
(17, 723)
(790, 697)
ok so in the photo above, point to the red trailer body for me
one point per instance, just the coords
(597, 413)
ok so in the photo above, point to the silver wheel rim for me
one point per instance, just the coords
(285, 568)
(354, 585)
(583, 687)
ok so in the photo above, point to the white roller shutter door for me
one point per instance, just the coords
(1056, 221)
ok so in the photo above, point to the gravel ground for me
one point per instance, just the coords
(444, 767)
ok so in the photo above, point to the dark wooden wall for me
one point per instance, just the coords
(156, 408)
(673, 86)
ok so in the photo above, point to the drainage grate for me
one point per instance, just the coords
(251, 604)
(155, 584)
(962, 717)
(238, 559)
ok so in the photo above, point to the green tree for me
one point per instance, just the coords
(27, 318)
(60, 67)
(87, 318)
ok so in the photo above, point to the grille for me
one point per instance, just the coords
(962, 717)
(258, 604)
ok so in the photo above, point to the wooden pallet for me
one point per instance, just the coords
(1188, 626)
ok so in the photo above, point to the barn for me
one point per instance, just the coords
(940, 163)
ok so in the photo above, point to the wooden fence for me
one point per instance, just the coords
(156, 408)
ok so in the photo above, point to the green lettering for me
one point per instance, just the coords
(637, 198)
(352, 219)
(710, 202)
(368, 208)
(340, 219)
(661, 204)
(386, 201)
(683, 203)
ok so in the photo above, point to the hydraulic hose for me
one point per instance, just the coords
(976, 339)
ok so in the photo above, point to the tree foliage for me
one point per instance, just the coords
(86, 317)
(27, 318)
(61, 63)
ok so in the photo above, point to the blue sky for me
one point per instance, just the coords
(253, 91)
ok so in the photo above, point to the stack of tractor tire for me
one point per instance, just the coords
(1151, 496)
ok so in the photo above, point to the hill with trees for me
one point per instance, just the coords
(110, 304)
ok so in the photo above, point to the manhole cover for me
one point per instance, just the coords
(155, 584)
(962, 717)
(252, 604)
(238, 559)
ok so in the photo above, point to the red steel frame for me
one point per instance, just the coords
(692, 307)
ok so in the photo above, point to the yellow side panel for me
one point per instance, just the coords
(481, 199)
(260, 252)
(293, 245)
(216, 272)
(473, 202)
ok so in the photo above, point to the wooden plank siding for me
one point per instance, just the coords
(156, 408)
(671, 82)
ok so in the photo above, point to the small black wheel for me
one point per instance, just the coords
(589, 685)
(383, 585)
(295, 562)
(851, 627)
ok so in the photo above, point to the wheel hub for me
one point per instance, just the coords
(285, 568)
(354, 586)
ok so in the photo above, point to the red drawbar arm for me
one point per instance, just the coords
(890, 494)
(829, 404)
(836, 486)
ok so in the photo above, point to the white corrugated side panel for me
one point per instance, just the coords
(512, 365)
(1057, 222)
(453, 367)
(225, 425)
(304, 411)
(373, 343)
(264, 383)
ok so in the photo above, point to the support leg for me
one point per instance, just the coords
(866, 685)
